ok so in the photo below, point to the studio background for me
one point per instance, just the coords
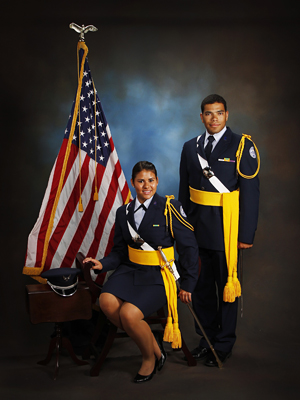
(152, 64)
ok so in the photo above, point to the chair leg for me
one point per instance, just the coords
(107, 346)
(91, 348)
(190, 359)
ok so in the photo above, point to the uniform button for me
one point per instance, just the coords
(203, 188)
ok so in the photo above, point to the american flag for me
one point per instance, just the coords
(85, 188)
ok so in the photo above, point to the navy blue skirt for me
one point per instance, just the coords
(148, 298)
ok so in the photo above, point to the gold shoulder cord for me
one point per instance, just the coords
(169, 209)
(239, 154)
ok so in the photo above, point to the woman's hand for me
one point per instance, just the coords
(185, 297)
(97, 264)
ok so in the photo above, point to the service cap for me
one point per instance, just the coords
(63, 281)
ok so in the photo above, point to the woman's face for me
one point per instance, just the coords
(145, 184)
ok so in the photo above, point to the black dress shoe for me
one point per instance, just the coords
(159, 338)
(200, 352)
(161, 361)
(211, 359)
(144, 378)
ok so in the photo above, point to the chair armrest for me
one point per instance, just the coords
(85, 269)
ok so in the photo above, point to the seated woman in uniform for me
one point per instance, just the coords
(136, 288)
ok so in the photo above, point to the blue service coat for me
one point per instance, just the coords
(153, 230)
(208, 220)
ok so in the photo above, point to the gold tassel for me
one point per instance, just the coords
(95, 196)
(168, 333)
(80, 206)
(172, 333)
(229, 291)
(177, 341)
(230, 224)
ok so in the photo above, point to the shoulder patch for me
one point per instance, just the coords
(252, 152)
(182, 212)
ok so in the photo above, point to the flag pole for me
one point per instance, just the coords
(82, 30)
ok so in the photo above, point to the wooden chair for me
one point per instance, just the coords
(44, 305)
(113, 332)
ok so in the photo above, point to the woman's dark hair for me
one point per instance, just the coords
(143, 165)
(211, 99)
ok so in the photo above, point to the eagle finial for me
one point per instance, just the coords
(82, 30)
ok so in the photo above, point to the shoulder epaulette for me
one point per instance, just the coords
(170, 209)
(239, 154)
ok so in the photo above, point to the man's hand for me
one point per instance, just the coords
(185, 297)
(244, 245)
(97, 264)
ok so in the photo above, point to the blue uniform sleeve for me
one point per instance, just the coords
(184, 192)
(187, 249)
(249, 194)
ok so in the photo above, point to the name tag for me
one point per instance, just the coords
(226, 160)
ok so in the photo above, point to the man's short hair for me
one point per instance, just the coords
(211, 99)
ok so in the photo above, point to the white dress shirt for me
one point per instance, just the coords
(217, 137)
(139, 214)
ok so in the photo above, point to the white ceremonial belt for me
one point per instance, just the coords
(145, 245)
(217, 184)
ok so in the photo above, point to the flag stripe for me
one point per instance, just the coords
(84, 229)
(31, 253)
(66, 210)
(103, 191)
(105, 213)
(54, 187)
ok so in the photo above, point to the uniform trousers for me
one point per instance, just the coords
(218, 318)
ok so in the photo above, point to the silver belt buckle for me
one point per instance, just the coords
(137, 239)
(207, 172)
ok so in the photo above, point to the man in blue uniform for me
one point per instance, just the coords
(219, 190)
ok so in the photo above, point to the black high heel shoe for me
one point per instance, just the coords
(159, 338)
(144, 378)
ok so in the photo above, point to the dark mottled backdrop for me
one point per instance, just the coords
(152, 63)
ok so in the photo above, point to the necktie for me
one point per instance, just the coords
(138, 216)
(209, 147)
(141, 206)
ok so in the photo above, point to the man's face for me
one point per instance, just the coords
(214, 117)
